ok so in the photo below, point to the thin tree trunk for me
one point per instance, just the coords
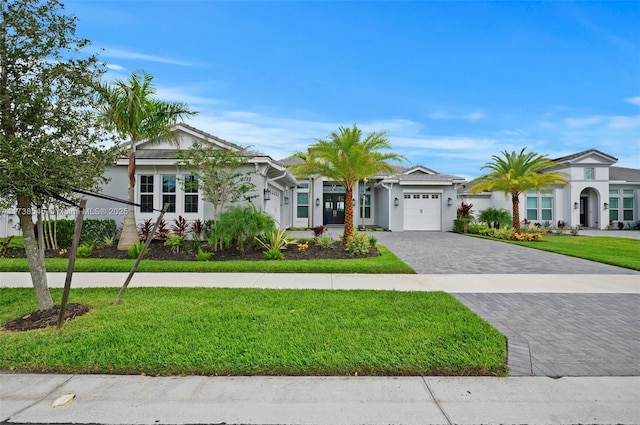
(37, 266)
(515, 202)
(129, 234)
(348, 215)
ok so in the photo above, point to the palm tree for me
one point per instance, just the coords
(515, 173)
(129, 108)
(346, 158)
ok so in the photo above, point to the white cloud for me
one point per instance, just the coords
(624, 122)
(471, 116)
(115, 67)
(582, 122)
(113, 52)
(634, 100)
(182, 95)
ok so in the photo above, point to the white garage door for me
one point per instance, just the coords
(422, 211)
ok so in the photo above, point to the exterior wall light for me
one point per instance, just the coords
(396, 202)
(317, 202)
(449, 201)
(286, 200)
(267, 194)
(606, 206)
(575, 205)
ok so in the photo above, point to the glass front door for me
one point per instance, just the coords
(333, 208)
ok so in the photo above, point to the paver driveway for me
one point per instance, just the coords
(548, 334)
(452, 253)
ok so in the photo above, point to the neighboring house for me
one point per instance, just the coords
(598, 195)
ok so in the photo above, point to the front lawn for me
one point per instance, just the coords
(621, 252)
(387, 262)
(220, 331)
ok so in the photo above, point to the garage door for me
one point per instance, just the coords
(422, 211)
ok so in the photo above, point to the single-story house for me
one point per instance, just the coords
(599, 195)
(409, 198)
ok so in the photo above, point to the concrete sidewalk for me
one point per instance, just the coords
(102, 399)
(452, 283)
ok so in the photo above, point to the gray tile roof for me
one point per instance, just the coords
(624, 174)
(569, 158)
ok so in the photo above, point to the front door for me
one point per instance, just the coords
(334, 208)
(584, 202)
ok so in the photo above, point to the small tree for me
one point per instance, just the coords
(218, 175)
(465, 214)
(49, 140)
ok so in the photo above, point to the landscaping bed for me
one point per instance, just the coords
(159, 251)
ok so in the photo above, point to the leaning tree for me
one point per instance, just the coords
(49, 141)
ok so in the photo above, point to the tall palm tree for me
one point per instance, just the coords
(515, 173)
(129, 108)
(346, 158)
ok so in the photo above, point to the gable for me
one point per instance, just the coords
(590, 157)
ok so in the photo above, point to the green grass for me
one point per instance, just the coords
(165, 331)
(621, 252)
(387, 262)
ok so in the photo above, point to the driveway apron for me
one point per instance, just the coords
(548, 334)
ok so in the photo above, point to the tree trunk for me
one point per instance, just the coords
(348, 215)
(37, 267)
(129, 234)
(515, 202)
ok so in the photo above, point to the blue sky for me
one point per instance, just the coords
(452, 82)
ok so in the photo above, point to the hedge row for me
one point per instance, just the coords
(92, 230)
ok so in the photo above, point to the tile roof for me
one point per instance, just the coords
(624, 174)
(571, 157)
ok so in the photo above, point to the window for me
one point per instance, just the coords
(532, 208)
(366, 206)
(613, 209)
(546, 208)
(303, 205)
(627, 209)
(146, 194)
(190, 193)
(589, 173)
(169, 192)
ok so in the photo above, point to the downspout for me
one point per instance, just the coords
(388, 203)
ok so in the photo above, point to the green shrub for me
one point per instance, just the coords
(325, 242)
(135, 249)
(575, 230)
(358, 244)
(85, 250)
(273, 254)
(372, 240)
(238, 227)
(92, 230)
(202, 255)
(276, 239)
(495, 217)
(175, 242)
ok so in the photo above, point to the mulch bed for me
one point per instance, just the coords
(160, 252)
(45, 318)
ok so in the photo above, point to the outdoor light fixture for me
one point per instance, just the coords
(575, 205)
(317, 202)
(286, 200)
(396, 202)
(267, 194)
(449, 201)
(606, 206)
(353, 201)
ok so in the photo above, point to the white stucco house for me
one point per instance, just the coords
(409, 198)
(599, 195)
